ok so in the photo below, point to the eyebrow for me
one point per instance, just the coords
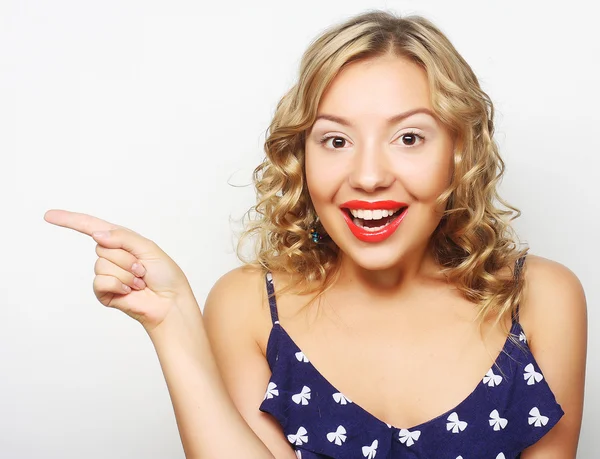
(392, 120)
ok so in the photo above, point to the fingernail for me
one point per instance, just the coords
(139, 283)
(100, 234)
(138, 270)
(126, 288)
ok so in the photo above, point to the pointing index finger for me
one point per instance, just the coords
(84, 223)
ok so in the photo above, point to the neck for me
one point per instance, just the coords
(415, 267)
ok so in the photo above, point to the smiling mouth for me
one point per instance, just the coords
(374, 220)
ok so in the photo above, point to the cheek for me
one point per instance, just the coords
(322, 177)
(426, 179)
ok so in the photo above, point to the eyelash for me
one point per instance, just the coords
(326, 138)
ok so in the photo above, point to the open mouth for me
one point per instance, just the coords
(374, 220)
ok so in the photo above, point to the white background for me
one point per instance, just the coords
(146, 113)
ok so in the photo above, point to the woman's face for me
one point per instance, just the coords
(377, 148)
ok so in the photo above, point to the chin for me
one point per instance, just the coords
(375, 259)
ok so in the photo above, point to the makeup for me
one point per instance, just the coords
(373, 221)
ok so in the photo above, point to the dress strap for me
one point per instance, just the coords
(271, 297)
(517, 273)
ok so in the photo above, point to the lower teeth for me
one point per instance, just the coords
(359, 223)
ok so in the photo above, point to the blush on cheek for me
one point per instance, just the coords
(433, 178)
(426, 187)
(323, 175)
(318, 193)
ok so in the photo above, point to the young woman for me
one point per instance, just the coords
(390, 311)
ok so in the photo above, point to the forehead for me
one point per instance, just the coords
(381, 86)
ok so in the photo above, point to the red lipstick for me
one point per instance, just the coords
(387, 205)
(382, 234)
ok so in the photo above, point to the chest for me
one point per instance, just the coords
(500, 418)
(403, 366)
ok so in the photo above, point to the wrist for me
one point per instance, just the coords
(184, 319)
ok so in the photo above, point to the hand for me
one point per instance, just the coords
(162, 280)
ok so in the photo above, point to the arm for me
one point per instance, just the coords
(555, 320)
(236, 316)
(209, 424)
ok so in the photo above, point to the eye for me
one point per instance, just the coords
(336, 143)
(410, 139)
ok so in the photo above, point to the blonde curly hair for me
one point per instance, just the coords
(474, 240)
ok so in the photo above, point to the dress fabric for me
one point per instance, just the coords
(511, 408)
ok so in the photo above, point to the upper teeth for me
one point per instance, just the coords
(373, 214)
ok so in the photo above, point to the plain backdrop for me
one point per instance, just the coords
(152, 115)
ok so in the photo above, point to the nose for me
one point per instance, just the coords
(370, 169)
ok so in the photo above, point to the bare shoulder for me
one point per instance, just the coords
(237, 320)
(238, 303)
(238, 298)
(554, 317)
(554, 298)
(242, 282)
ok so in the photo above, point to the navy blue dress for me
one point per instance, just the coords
(511, 408)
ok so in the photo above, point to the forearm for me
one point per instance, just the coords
(209, 424)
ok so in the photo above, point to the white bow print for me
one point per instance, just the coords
(536, 418)
(408, 437)
(523, 338)
(303, 397)
(455, 424)
(341, 398)
(301, 357)
(338, 437)
(370, 451)
(271, 391)
(496, 421)
(532, 376)
(300, 437)
(492, 379)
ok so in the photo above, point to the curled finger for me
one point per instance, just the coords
(122, 259)
(108, 268)
(107, 286)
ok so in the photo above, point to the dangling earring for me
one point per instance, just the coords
(315, 235)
